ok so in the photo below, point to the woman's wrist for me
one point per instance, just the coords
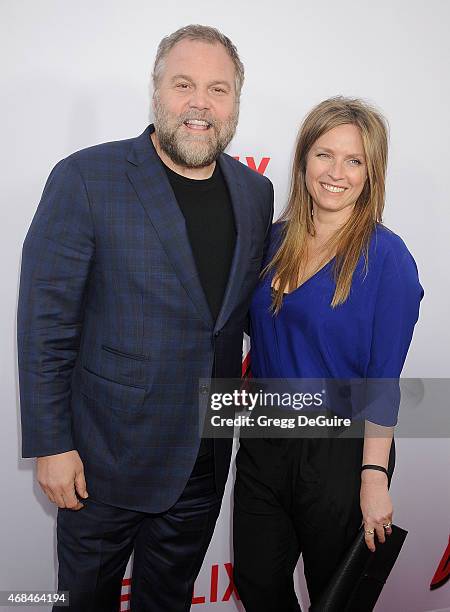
(373, 478)
(374, 473)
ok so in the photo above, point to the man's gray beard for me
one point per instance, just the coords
(185, 150)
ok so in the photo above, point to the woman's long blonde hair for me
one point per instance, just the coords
(353, 237)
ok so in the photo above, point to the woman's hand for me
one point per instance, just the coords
(376, 506)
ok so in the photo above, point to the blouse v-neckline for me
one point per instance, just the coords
(306, 282)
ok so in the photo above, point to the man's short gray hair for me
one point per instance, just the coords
(202, 33)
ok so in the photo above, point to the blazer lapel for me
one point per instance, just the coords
(155, 193)
(243, 239)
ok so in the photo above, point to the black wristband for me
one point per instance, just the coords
(375, 467)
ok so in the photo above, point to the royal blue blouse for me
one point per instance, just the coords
(366, 337)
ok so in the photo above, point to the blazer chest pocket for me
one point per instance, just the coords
(111, 394)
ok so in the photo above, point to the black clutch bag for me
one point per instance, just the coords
(360, 577)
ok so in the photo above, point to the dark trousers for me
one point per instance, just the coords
(95, 544)
(293, 497)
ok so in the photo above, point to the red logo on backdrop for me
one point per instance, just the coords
(125, 595)
(246, 365)
(262, 166)
(212, 596)
(443, 571)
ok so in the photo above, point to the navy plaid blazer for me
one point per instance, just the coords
(114, 330)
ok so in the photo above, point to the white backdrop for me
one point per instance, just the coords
(78, 74)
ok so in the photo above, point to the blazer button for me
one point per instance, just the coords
(217, 333)
(203, 389)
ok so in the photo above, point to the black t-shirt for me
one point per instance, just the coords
(206, 207)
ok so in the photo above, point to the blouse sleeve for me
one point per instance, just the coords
(396, 312)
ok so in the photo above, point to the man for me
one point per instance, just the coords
(136, 277)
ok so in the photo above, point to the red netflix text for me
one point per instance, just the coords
(262, 166)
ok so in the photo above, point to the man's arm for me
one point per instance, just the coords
(266, 240)
(56, 259)
(269, 219)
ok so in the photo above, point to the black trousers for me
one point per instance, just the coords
(293, 497)
(95, 544)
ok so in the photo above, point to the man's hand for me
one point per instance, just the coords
(60, 476)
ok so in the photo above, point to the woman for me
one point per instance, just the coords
(339, 298)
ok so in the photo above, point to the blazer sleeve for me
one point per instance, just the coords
(396, 313)
(270, 211)
(269, 220)
(57, 255)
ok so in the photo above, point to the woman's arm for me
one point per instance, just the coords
(396, 312)
(376, 505)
